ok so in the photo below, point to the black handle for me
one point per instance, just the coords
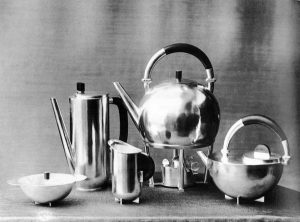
(190, 49)
(123, 118)
(146, 164)
(180, 47)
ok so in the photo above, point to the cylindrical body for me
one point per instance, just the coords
(89, 122)
(125, 178)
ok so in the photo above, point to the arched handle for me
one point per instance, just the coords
(180, 47)
(261, 120)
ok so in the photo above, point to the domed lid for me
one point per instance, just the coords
(261, 155)
(122, 147)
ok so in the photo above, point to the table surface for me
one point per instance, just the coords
(47, 46)
(201, 202)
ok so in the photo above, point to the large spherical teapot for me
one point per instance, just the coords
(177, 114)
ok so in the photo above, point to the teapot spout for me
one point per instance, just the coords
(204, 158)
(63, 135)
(132, 109)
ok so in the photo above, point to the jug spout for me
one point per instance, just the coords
(132, 109)
(63, 135)
(204, 158)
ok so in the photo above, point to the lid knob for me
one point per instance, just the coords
(80, 87)
(178, 76)
(46, 175)
(262, 151)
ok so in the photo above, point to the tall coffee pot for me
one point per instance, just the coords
(86, 149)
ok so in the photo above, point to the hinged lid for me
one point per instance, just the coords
(122, 147)
(261, 155)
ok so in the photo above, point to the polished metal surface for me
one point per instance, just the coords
(47, 46)
(175, 115)
(87, 150)
(126, 180)
(46, 187)
(249, 179)
(179, 116)
(245, 181)
(89, 133)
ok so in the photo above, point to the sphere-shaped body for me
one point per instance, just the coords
(179, 116)
(248, 181)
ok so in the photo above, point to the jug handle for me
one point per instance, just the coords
(123, 117)
(180, 47)
(146, 165)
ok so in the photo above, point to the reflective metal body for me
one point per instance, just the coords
(176, 115)
(87, 151)
(46, 187)
(89, 133)
(170, 177)
(244, 179)
(126, 179)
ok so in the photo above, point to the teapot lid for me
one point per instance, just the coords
(261, 155)
(122, 147)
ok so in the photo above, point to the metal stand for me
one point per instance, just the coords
(121, 201)
(151, 180)
(49, 204)
(183, 177)
(206, 169)
(238, 199)
(181, 171)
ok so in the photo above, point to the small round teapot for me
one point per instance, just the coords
(176, 114)
(252, 174)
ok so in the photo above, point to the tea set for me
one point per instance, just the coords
(179, 115)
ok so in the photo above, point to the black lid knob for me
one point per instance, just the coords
(178, 75)
(80, 87)
(46, 175)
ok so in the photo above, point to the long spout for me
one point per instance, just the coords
(132, 109)
(204, 158)
(63, 135)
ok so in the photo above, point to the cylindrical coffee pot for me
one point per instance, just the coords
(87, 149)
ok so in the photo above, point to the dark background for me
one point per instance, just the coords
(47, 46)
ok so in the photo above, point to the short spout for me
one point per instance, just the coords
(132, 109)
(63, 135)
(204, 158)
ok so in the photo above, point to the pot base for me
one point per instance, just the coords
(238, 199)
(121, 201)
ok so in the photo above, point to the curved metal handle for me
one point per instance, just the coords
(180, 47)
(261, 120)
(123, 117)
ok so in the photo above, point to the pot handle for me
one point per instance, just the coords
(146, 165)
(180, 47)
(261, 120)
(123, 117)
